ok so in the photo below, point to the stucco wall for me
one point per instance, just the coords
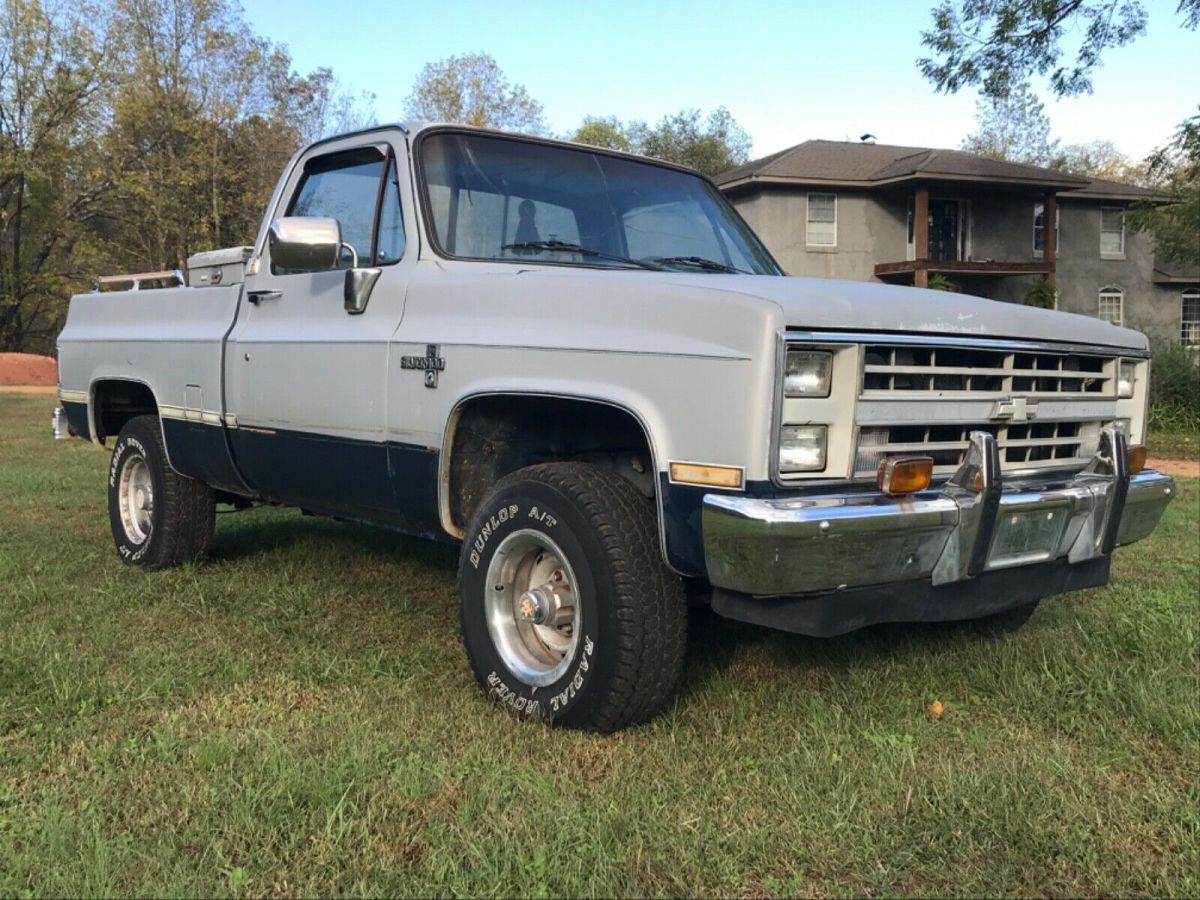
(1154, 309)
(868, 231)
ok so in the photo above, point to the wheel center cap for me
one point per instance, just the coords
(533, 606)
(140, 499)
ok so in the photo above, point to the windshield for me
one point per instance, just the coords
(504, 198)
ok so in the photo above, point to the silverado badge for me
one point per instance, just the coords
(431, 363)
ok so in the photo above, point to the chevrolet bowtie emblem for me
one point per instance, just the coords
(1015, 409)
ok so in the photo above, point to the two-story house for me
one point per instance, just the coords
(831, 209)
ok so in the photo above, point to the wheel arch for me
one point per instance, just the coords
(451, 515)
(106, 416)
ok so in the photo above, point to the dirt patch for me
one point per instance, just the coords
(28, 369)
(1178, 468)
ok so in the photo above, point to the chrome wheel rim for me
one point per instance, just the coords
(135, 493)
(532, 607)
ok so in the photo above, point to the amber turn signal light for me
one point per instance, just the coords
(1137, 458)
(904, 474)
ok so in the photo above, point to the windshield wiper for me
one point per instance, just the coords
(564, 247)
(709, 265)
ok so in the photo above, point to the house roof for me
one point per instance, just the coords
(1170, 272)
(1103, 189)
(871, 165)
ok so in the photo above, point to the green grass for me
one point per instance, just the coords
(297, 717)
(1175, 445)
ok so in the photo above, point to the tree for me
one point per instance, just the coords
(711, 146)
(472, 89)
(1175, 171)
(205, 115)
(997, 44)
(52, 183)
(1098, 159)
(607, 131)
(1014, 128)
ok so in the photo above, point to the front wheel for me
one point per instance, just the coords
(159, 518)
(568, 612)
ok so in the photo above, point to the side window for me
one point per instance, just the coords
(1112, 301)
(1189, 319)
(1112, 232)
(347, 186)
(390, 243)
(822, 220)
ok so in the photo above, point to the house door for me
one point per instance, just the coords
(945, 230)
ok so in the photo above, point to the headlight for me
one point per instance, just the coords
(1125, 379)
(802, 448)
(807, 373)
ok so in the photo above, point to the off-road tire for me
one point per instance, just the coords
(633, 615)
(183, 514)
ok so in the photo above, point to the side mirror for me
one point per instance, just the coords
(305, 243)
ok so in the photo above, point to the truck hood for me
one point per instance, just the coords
(819, 304)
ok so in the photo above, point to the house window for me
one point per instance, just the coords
(1189, 332)
(1112, 232)
(1039, 230)
(1111, 303)
(822, 220)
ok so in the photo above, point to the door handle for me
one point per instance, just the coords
(257, 297)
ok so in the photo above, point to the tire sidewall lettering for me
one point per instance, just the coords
(130, 552)
(572, 690)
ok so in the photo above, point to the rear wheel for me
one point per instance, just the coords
(159, 518)
(568, 612)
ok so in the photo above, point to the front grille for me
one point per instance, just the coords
(965, 371)
(1028, 445)
(928, 400)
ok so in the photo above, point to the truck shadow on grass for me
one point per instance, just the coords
(716, 644)
(246, 535)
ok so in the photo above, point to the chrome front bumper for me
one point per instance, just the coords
(974, 524)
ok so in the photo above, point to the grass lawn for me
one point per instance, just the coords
(1174, 445)
(297, 717)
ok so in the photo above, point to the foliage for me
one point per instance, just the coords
(297, 718)
(132, 134)
(997, 44)
(1098, 159)
(52, 182)
(606, 131)
(1174, 389)
(1043, 295)
(1014, 127)
(1174, 170)
(711, 144)
(939, 282)
(473, 90)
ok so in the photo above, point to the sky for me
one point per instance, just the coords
(788, 71)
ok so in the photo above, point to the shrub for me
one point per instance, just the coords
(939, 282)
(1043, 294)
(1174, 389)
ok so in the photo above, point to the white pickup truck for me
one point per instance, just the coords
(586, 368)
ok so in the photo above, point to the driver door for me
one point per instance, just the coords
(306, 378)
